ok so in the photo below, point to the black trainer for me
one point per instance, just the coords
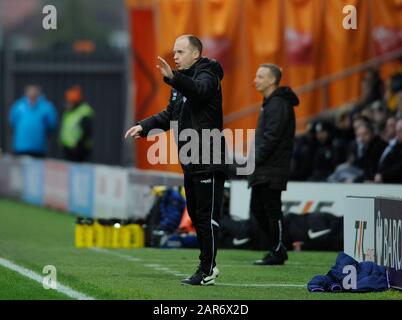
(194, 280)
(273, 258)
(201, 279)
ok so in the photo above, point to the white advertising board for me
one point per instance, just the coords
(303, 197)
(359, 228)
(111, 193)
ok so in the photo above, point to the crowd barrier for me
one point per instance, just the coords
(86, 190)
(107, 192)
(305, 197)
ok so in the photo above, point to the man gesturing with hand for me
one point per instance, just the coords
(195, 103)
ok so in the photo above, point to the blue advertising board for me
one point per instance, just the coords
(81, 189)
(33, 177)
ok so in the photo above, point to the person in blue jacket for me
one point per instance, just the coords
(32, 118)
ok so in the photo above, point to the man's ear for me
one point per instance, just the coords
(272, 80)
(196, 54)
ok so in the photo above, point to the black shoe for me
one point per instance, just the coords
(215, 271)
(194, 280)
(201, 279)
(273, 258)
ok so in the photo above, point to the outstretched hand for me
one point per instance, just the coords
(165, 68)
(133, 132)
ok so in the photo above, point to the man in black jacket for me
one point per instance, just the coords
(390, 163)
(366, 151)
(274, 139)
(195, 104)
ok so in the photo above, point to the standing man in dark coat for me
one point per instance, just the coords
(274, 139)
(195, 104)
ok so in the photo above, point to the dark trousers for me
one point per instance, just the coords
(204, 196)
(266, 206)
(76, 154)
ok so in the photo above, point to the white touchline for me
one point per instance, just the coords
(39, 278)
(159, 267)
(129, 258)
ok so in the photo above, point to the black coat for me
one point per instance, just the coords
(274, 138)
(371, 156)
(195, 103)
(324, 159)
(391, 167)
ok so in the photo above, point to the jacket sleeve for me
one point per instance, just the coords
(51, 117)
(371, 163)
(393, 172)
(276, 116)
(160, 120)
(202, 88)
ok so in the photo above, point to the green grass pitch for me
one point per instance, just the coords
(33, 237)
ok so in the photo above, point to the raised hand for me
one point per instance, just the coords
(164, 68)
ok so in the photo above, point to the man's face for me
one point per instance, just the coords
(364, 135)
(345, 122)
(263, 79)
(390, 128)
(322, 136)
(32, 94)
(356, 124)
(184, 54)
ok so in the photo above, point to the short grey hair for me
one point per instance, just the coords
(275, 70)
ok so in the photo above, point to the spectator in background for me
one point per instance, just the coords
(372, 89)
(390, 163)
(359, 120)
(301, 166)
(379, 116)
(367, 150)
(389, 132)
(32, 118)
(327, 153)
(76, 126)
(363, 157)
(344, 132)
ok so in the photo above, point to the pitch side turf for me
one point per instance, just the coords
(33, 237)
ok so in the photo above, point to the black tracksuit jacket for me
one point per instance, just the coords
(196, 103)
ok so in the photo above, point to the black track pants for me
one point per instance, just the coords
(204, 196)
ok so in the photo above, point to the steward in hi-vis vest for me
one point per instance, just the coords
(76, 127)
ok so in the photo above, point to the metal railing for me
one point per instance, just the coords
(322, 83)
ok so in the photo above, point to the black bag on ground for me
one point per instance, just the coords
(242, 234)
(234, 233)
(315, 231)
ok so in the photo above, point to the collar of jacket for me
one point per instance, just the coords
(190, 71)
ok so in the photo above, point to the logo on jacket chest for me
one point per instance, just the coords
(176, 96)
